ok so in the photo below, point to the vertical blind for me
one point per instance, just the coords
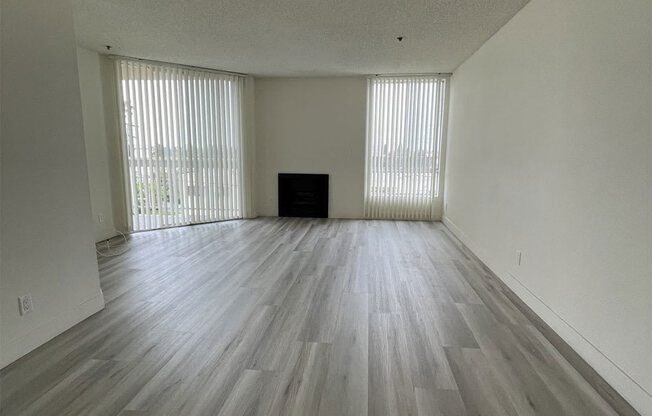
(182, 144)
(405, 117)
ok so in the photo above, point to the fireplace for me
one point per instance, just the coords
(302, 195)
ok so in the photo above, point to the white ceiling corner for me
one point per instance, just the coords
(295, 37)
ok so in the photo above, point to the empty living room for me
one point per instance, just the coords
(325, 208)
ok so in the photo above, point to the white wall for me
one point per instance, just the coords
(311, 125)
(97, 149)
(550, 152)
(47, 234)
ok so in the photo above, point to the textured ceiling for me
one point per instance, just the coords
(295, 37)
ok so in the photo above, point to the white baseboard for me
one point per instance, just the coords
(20, 346)
(631, 391)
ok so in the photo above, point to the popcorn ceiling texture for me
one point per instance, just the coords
(295, 37)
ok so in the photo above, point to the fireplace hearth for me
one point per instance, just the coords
(303, 195)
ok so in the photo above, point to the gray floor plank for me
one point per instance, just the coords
(293, 316)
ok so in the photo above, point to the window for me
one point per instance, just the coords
(181, 144)
(405, 117)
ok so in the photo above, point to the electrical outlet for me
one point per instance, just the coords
(25, 304)
(100, 218)
(519, 256)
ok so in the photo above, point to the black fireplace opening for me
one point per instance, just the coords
(303, 195)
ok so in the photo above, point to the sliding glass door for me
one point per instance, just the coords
(405, 128)
(182, 144)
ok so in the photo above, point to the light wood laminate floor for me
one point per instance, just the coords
(299, 317)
